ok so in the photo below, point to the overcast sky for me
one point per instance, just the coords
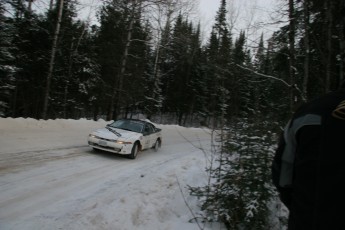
(252, 16)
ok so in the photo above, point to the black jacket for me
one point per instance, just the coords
(309, 166)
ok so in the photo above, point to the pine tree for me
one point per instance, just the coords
(257, 91)
(29, 39)
(239, 190)
(156, 88)
(219, 73)
(7, 62)
(317, 35)
(177, 84)
(87, 81)
(239, 86)
(137, 67)
(122, 55)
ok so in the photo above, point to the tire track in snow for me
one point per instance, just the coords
(13, 162)
(71, 188)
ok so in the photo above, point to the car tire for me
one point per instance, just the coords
(96, 150)
(135, 150)
(156, 146)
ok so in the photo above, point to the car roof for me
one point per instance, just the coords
(136, 120)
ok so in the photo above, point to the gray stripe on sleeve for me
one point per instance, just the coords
(288, 157)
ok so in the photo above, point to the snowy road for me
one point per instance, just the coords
(50, 178)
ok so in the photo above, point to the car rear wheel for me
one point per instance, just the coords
(156, 146)
(134, 151)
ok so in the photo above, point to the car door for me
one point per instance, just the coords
(147, 136)
(150, 135)
(153, 135)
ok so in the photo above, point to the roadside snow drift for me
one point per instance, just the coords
(51, 179)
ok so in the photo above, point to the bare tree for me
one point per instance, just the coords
(117, 88)
(292, 53)
(160, 50)
(52, 61)
(160, 11)
(342, 45)
(51, 4)
(30, 5)
(164, 13)
(307, 47)
(73, 53)
(233, 15)
(329, 16)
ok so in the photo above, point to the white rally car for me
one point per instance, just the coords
(127, 137)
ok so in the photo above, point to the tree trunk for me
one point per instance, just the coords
(342, 46)
(30, 5)
(69, 75)
(329, 7)
(51, 4)
(73, 53)
(18, 10)
(292, 54)
(156, 69)
(14, 104)
(51, 63)
(117, 91)
(307, 48)
(159, 52)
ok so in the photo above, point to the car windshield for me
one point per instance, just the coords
(134, 126)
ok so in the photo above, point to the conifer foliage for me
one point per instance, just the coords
(122, 66)
(239, 189)
(54, 65)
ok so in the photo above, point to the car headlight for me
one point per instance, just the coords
(123, 142)
(91, 135)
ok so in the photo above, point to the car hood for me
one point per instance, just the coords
(105, 133)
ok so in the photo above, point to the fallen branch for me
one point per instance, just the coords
(185, 201)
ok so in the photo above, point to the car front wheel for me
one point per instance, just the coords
(134, 151)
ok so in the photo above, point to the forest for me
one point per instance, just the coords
(148, 57)
(54, 65)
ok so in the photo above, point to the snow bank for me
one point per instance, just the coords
(51, 179)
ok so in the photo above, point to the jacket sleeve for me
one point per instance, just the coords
(284, 192)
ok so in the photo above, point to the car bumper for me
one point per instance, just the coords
(109, 146)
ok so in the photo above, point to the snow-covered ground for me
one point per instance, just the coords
(51, 179)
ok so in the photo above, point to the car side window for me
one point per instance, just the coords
(152, 128)
(148, 129)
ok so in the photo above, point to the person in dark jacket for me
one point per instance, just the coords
(308, 168)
